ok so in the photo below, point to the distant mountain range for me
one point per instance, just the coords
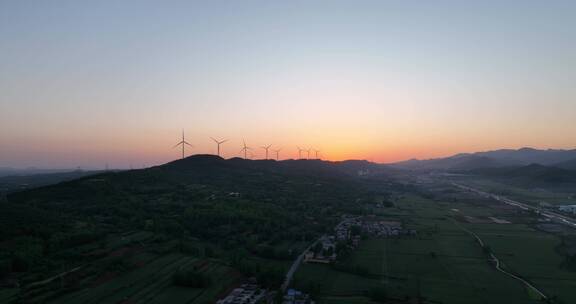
(9, 171)
(531, 175)
(563, 159)
(16, 182)
(543, 165)
(569, 164)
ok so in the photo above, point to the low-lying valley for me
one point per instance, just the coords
(208, 230)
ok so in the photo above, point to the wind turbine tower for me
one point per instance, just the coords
(308, 153)
(245, 150)
(266, 148)
(277, 151)
(316, 152)
(182, 143)
(218, 143)
(300, 152)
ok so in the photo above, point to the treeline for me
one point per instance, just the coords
(270, 277)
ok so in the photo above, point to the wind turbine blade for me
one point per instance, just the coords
(177, 145)
(213, 139)
(188, 144)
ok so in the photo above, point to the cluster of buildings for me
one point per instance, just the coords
(294, 296)
(567, 209)
(343, 231)
(385, 229)
(382, 228)
(325, 250)
(249, 293)
(326, 254)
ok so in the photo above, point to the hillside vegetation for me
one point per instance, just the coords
(254, 217)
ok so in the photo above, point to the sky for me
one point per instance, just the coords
(89, 83)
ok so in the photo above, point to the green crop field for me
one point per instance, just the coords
(152, 283)
(532, 254)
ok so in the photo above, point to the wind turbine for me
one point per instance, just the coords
(218, 143)
(308, 153)
(278, 153)
(182, 143)
(245, 149)
(300, 152)
(266, 148)
(316, 152)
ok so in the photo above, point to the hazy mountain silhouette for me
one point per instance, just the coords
(569, 164)
(20, 182)
(533, 174)
(9, 171)
(491, 159)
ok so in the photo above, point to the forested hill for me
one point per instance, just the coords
(211, 166)
(234, 212)
(205, 188)
(233, 175)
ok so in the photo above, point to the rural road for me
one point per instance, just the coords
(294, 267)
(298, 261)
(58, 276)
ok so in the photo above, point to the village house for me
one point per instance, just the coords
(567, 208)
(294, 296)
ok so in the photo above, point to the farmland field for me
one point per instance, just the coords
(151, 283)
(444, 263)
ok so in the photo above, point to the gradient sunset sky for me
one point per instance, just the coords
(85, 83)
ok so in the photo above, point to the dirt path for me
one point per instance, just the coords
(497, 262)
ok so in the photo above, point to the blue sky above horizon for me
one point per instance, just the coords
(93, 82)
